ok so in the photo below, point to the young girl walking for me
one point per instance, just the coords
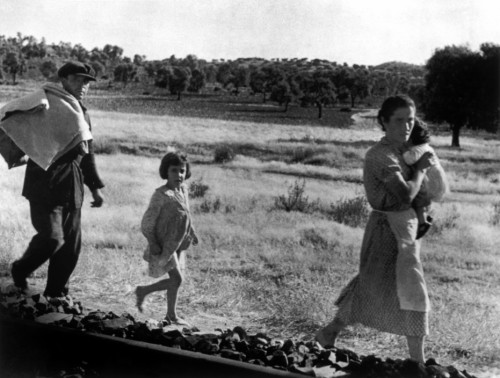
(168, 229)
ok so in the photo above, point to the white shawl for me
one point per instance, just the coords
(44, 125)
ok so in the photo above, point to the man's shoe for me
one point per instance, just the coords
(19, 280)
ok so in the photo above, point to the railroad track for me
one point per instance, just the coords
(32, 349)
(60, 338)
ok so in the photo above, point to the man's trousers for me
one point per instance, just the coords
(58, 239)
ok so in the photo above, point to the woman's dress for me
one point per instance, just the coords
(371, 297)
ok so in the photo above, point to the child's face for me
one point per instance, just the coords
(176, 175)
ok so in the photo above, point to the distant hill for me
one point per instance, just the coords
(398, 66)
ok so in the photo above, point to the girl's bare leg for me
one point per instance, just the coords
(416, 348)
(174, 282)
(171, 285)
(328, 335)
(142, 291)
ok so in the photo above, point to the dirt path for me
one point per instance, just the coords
(366, 119)
(123, 300)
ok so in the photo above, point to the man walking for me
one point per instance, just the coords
(57, 169)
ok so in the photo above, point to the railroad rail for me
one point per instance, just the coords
(27, 347)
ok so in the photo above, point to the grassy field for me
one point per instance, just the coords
(260, 266)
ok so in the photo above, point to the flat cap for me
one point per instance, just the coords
(78, 69)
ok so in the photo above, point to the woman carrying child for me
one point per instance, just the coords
(168, 228)
(371, 298)
(407, 229)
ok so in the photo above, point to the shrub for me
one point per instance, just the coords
(448, 221)
(198, 188)
(313, 237)
(308, 138)
(210, 206)
(223, 154)
(229, 208)
(352, 212)
(106, 147)
(295, 200)
(495, 217)
(206, 206)
(300, 154)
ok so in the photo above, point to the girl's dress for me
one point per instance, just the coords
(371, 298)
(167, 226)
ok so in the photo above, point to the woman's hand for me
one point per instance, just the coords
(427, 160)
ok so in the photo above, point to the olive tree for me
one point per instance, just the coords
(48, 68)
(318, 89)
(124, 72)
(12, 65)
(178, 80)
(197, 81)
(452, 87)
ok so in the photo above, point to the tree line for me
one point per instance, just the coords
(457, 85)
(310, 82)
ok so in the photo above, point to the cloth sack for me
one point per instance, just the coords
(43, 125)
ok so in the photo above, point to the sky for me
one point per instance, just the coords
(366, 32)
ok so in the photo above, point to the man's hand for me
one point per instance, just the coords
(98, 198)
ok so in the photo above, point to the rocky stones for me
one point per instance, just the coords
(279, 359)
(288, 346)
(206, 347)
(307, 358)
(438, 371)
(257, 354)
(242, 346)
(116, 326)
(232, 354)
(241, 332)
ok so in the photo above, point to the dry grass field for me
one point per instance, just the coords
(262, 267)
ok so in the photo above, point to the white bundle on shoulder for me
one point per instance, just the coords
(436, 181)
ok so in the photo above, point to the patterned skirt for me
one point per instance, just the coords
(371, 297)
(159, 265)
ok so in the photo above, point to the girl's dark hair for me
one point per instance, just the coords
(173, 158)
(420, 133)
(390, 105)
